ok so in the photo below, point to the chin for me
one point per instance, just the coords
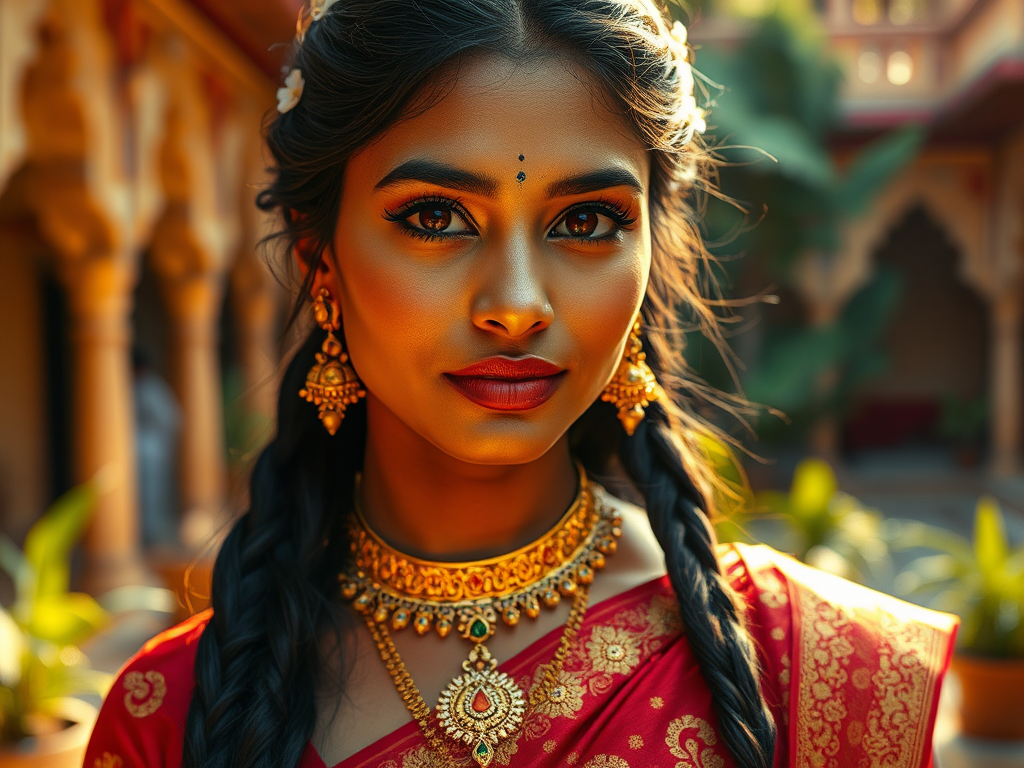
(506, 439)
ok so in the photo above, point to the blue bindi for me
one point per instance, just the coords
(520, 177)
(521, 158)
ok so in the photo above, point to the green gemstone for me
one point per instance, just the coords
(478, 629)
(482, 749)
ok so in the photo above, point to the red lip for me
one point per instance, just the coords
(507, 384)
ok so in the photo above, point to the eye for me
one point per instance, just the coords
(432, 218)
(591, 222)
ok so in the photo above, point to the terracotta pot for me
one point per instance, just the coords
(64, 749)
(992, 706)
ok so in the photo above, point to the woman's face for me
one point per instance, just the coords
(508, 223)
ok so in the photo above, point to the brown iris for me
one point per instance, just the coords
(435, 219)
(581, 223)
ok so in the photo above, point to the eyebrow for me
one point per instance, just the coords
(443, 175)
(431, 172)
(594, 181)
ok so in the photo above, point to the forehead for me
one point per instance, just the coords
(545, 109)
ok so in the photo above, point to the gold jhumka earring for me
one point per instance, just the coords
(633, 386)
(331, 384)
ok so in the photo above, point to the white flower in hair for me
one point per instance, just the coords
(289, 96)
(678, 34)
(319, 7)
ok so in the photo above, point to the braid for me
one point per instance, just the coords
(714, 627)
(258, 662)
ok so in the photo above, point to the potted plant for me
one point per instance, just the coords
(983, 582)
(822, 526)
(41, 666)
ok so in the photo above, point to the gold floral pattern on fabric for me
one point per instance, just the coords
(663, 616)
(785, 676)
(903, 688)
(825, 655)
(615, 646)
(636, 741)
(550, 746)
(417, 757)
(861, 678)
(613, 650)
(657, 702)
(108, 760)
(145, 692)
(778, 633)
(563, 699)
(867, 667)
(606, 761)
(773, 591)
(695, 750)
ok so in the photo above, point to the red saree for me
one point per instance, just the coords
(852, 677)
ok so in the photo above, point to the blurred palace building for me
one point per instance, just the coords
(129, 159)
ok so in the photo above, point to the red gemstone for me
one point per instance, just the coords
(475, 582)
(480, 702)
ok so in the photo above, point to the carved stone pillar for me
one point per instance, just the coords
(194, 302)
(190, 246)
(99, 290)
(1007, 383)
(77, 187)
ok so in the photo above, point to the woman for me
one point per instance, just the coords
(492, 195)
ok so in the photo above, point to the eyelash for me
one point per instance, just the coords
(422, 203)
(619, 216)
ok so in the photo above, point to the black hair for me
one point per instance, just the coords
(366, 65)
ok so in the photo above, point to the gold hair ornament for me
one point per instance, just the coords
(480, 707)
(633, 387)
(331, 384)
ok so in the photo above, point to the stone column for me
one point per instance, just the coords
(1007, 383)
(78, 189)
(194, 302)
(100, 293)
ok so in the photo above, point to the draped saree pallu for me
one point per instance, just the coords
(852, 677)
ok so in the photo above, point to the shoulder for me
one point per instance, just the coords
(143, 717)
(858, 671)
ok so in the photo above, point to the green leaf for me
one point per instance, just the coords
(75, 680)
(814, 486)
(66, 619)
(904, 534)
(772, 502)
(875, 166)
(776, 144)
(990, 547)
(14, 563)
(49, 542)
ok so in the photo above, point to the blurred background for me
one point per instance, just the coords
(869, 229)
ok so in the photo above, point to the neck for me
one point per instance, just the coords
(429, 504)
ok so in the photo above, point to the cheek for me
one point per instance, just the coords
(392, 315)
(600, 314)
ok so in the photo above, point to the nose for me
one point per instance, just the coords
(511, 300)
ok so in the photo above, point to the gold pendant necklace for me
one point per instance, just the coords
(481, 707)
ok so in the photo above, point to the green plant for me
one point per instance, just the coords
(40, 662)
(981, 580)
(822, 526)
(773, 120)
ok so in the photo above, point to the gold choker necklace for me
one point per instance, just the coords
(480, 707)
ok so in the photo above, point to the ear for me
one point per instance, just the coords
(325, 271)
